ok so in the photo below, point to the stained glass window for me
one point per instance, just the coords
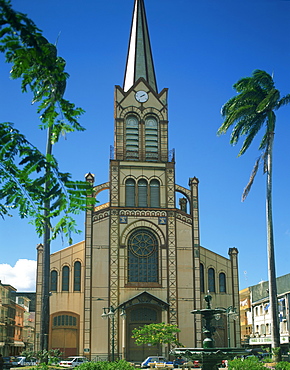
(142, 256)
(77, 276)
(65, 278)
(222, 282)
(53, 281)
(201, 272)
(211, 280)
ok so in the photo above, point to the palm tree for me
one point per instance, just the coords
(249, 111)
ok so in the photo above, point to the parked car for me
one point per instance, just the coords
(7, 362)
(192, 363)
(178, 362)
(151, 359)
(23, 361)
(73, 361)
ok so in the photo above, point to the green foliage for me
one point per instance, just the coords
(156, 333)
(283, 365)
(23, 173)
(29, 180)
(252, 108)
(250, 363)
(51, 357)
(105, 365)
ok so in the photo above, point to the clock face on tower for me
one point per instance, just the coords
(141, 96)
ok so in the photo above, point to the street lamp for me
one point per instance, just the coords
(109, 312)
(230, 311)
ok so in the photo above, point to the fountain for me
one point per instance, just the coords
(209, 356)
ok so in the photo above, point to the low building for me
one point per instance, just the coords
(255, 317)
(245, 316)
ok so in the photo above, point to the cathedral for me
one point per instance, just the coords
(141, 261)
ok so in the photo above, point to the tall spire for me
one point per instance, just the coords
(139, 58)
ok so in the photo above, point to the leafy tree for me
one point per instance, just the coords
(30, 181)
(253, 108)
(156, 334)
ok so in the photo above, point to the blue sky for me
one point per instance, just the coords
(200, 49)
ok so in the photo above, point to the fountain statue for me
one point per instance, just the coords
(209, 356)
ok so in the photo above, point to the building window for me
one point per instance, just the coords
(222, 282)
(201, 273)
(211, 280)
(142, 256)
(132, 138)
(142, 193)
(64, 320)
(154, 194)
(53, 281)
(151, 138)
(130, 193)
(65, 279)
(77, 276)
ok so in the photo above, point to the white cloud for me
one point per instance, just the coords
(22, 276)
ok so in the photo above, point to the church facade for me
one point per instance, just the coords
(141, 261)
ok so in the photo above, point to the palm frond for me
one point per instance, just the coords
(263, 79)
(269, 102)
(243, 84)
(251, 180)
(283, 101)
(251, 130)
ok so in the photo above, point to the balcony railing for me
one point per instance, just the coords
(138, 155)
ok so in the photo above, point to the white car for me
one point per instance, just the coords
(73, 361)
(22, 361)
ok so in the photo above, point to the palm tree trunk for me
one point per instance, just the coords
(44, 323)
(275, 335)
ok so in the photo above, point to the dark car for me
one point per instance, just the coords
(7, 362)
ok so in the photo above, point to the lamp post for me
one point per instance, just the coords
(109, 312)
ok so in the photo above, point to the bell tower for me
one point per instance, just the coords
(140, 111)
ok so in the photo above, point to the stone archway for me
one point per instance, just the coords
(65, 333)
(142, 309)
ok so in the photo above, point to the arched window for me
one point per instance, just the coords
(53, 281)
(211, 280)
(77, 276)
(142, 193)
(142, 256)
(130, 193)
(64, 320)
(132, 138)
(65, 279)
(201, 273)
(151, 138)
(222, 282)
(154, 194)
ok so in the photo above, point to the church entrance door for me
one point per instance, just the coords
(138, 317)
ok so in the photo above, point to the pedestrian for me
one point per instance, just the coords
(1, 362)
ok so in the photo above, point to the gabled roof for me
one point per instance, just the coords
(139, 58)
(143, 298)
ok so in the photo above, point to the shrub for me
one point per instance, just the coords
(105, 365)
(250, 363)
(283, 365)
